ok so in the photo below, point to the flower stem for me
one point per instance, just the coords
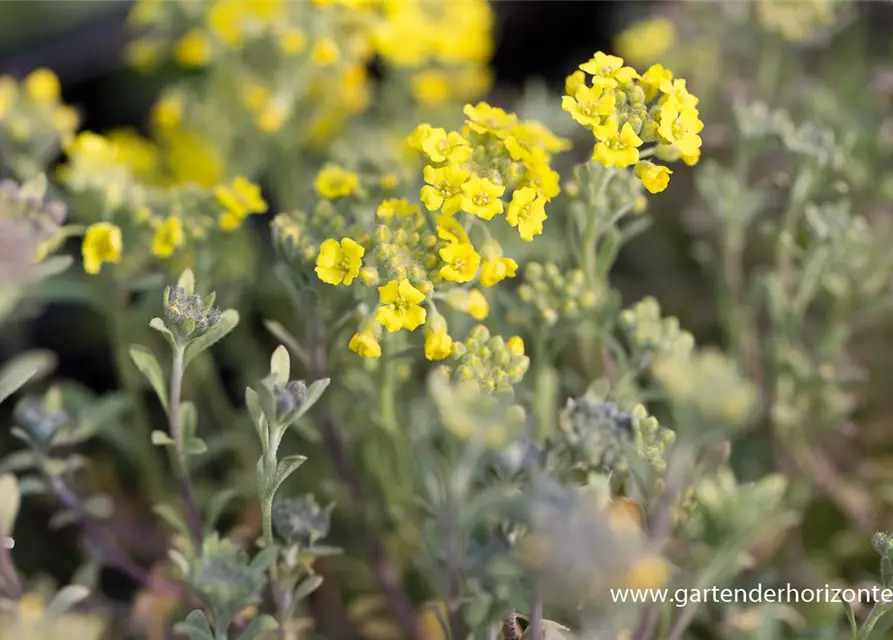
(877, 612)
(187, 491)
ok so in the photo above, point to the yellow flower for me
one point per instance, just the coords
(589, 105)
(462, 262)
(102, 243)
(515, 345)
(544, 179)
(471, 302)
(481, 198)
(43, 86)
(573, 82)
(292, 41)
(339, 263)
(438, 343)
(444, 188)
(527, 212)
(618, 148)
(336, 182)
(366, 344)
(239, 200)
(483, 119)
(644, 41)
(653, 79)
(325, 53)
(167, 113)
(680, 125)
(417, 137)
(691, 160)
(400, 306)
(442, 146)
(678, 90)
(193, 49)
(430, 88)
(168, 237)
(655, 177)
(449, 229)
(650, 572)
(400, 207)
(608, 71)
(497, 269)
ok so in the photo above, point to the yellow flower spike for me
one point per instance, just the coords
(589, 105)
(481, 198)
(620, 149)
(325, 52)
(430, 88)
(515, 345)
(339, 263)
(527, 212)
(462, 262)
(680, 125)
(366, 344)
(608, 71)
(655, 177)
(334, 182)
(193, 49)
(444, 190)
(43, 87)
(102, 243)
(168, 237)
(400, 306)
(442, 146)
(438, 343)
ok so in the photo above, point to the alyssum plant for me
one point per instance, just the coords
(493, 438)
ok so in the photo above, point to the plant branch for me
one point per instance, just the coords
(184, 481)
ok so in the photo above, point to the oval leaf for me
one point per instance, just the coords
(161, 439)
(16, 373)
(228, 321)
(195, 447)
(284, 469)
(307, 587)
(259, 626)
(160, 327)
(195, 627)
(148, 365)
(65, 599)
(10, 500)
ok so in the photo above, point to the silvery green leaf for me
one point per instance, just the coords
(160, 327)
(61, 519)
(148, 365)
(554, 631)
(97, 416)
(314, 392)
(280, 366)
(179, 560)
(228, 321)
(18, 461)
(257, 414)
(33, 485)
(216, 506)
(195, 627)
(16, 373)
(263, 560)
(162, 439)
(35, 188)
(172, 517)
(195, 447)
(188, 419)
(307, 587)
(259, 626)
(10, 500)
(53, 266)
(284, 469)
(65, 599)
(187, 281)
(22, 435)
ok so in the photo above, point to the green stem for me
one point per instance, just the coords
(591, 230)
(877, 612)
(176, 427)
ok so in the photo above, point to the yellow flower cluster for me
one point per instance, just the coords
(625, 110)
(424, 253)
(797, 21)
(33, 118)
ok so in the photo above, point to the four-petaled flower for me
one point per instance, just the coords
(339, 263)
(462, 262)
(168, 237)
(442, 146)
(400, 306)
(655, 177)
(102, 243)
(618, 146)
(444, 188)
(481, 198)
(527, 212)
(239, 200)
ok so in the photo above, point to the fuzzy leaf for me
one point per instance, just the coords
(187, 281)
(259, 626)
(280, 366)
(16, 373)
(53, 266)
(195, 627)
(307, 587)
(195, 447)
(148, 365)
(252, 401)
(160, 327)
(314, 392)
(284, 469)
(188, 419)
(216, 506)
(10, 500)
(172, 517)
(554, 631)
(264, 560)
(65, 599)
(161, 439)
(228, 321)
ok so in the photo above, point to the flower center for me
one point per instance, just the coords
(481, 198)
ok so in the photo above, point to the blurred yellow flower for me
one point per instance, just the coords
(655, 177)
(645, 41)
(339, 263)
(239, 200)
(400, 306)
(365, 344)
(193, 49)
(336, 182)
(43, 87)
(168, 237)
(102, 243)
